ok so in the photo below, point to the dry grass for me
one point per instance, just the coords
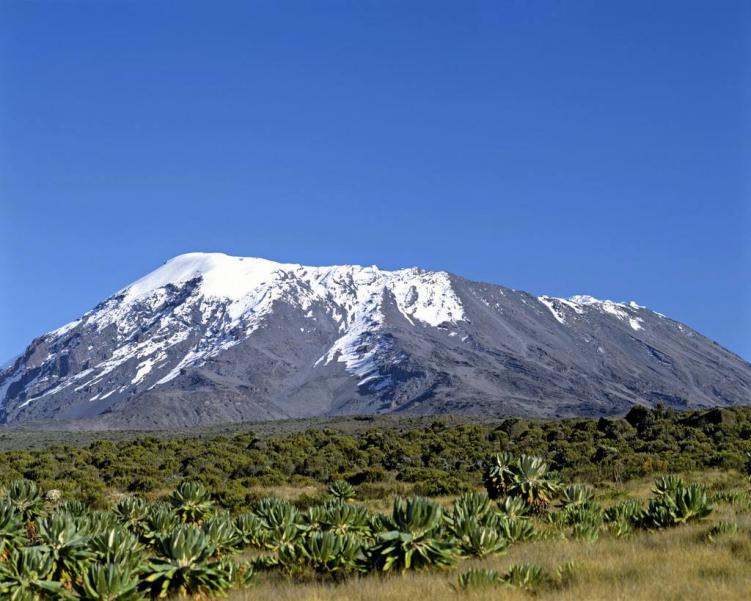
(670, 565)
(715, 479)
(290, 493)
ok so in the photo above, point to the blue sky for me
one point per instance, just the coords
(556, 147)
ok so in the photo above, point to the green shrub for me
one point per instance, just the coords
(479, 578)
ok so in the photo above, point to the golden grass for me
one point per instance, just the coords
(290, 493)
(670, 565)
(610, 492)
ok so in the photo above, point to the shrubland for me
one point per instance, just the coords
(654, 505)
(433, 458)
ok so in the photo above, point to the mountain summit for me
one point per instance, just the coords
(209, 338)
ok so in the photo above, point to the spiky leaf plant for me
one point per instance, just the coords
(415, 539)
(120, 547)
(72, 507)
(585, 519)
(25, 498)
(684, 504)
(93, 523)
(265, 562)
(474, 507)
(658, 514)
(417, 515)
(499, 474)
(734, 498)
(342, 490)
(161, 519)
(587, 529)
(516, 529)
(276, 512)
(478, 578)
(27, 576)
(283, 538)
(575, 495)
(479, 541)
(311, 519)
(345, 518)
(559, 518)
(222, 533)
(192, 502)
(282, 523)
(12, 531)
(68, 548)
(245, 574)
(691, 503)
(721, 529)
(532, 481)
(230, 574)
(513, 507)
(474, 526)
(109, 582)
(584, 512)
(621, 518)
(526, 575)
(186, 565)
(328, 553)
(250, 530)
(132, 512)
(667, 486)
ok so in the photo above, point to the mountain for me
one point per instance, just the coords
(209, 338)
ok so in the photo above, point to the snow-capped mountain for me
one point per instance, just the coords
(211, 338)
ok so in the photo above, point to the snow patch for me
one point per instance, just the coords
(64, 329)
(622, 311)
(143, 370)
(358, 349)
(222, 276)
(550, 304)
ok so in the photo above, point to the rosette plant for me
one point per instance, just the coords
(415, 538)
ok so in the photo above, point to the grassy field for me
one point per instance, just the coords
(656, 505)
(664, 565)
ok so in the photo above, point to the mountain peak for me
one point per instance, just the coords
(223, 275)
(208, 337)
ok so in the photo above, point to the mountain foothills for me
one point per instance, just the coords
(209, 338)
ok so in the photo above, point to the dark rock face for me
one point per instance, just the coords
(206, 339)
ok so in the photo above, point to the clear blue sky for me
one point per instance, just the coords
(556, 147)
